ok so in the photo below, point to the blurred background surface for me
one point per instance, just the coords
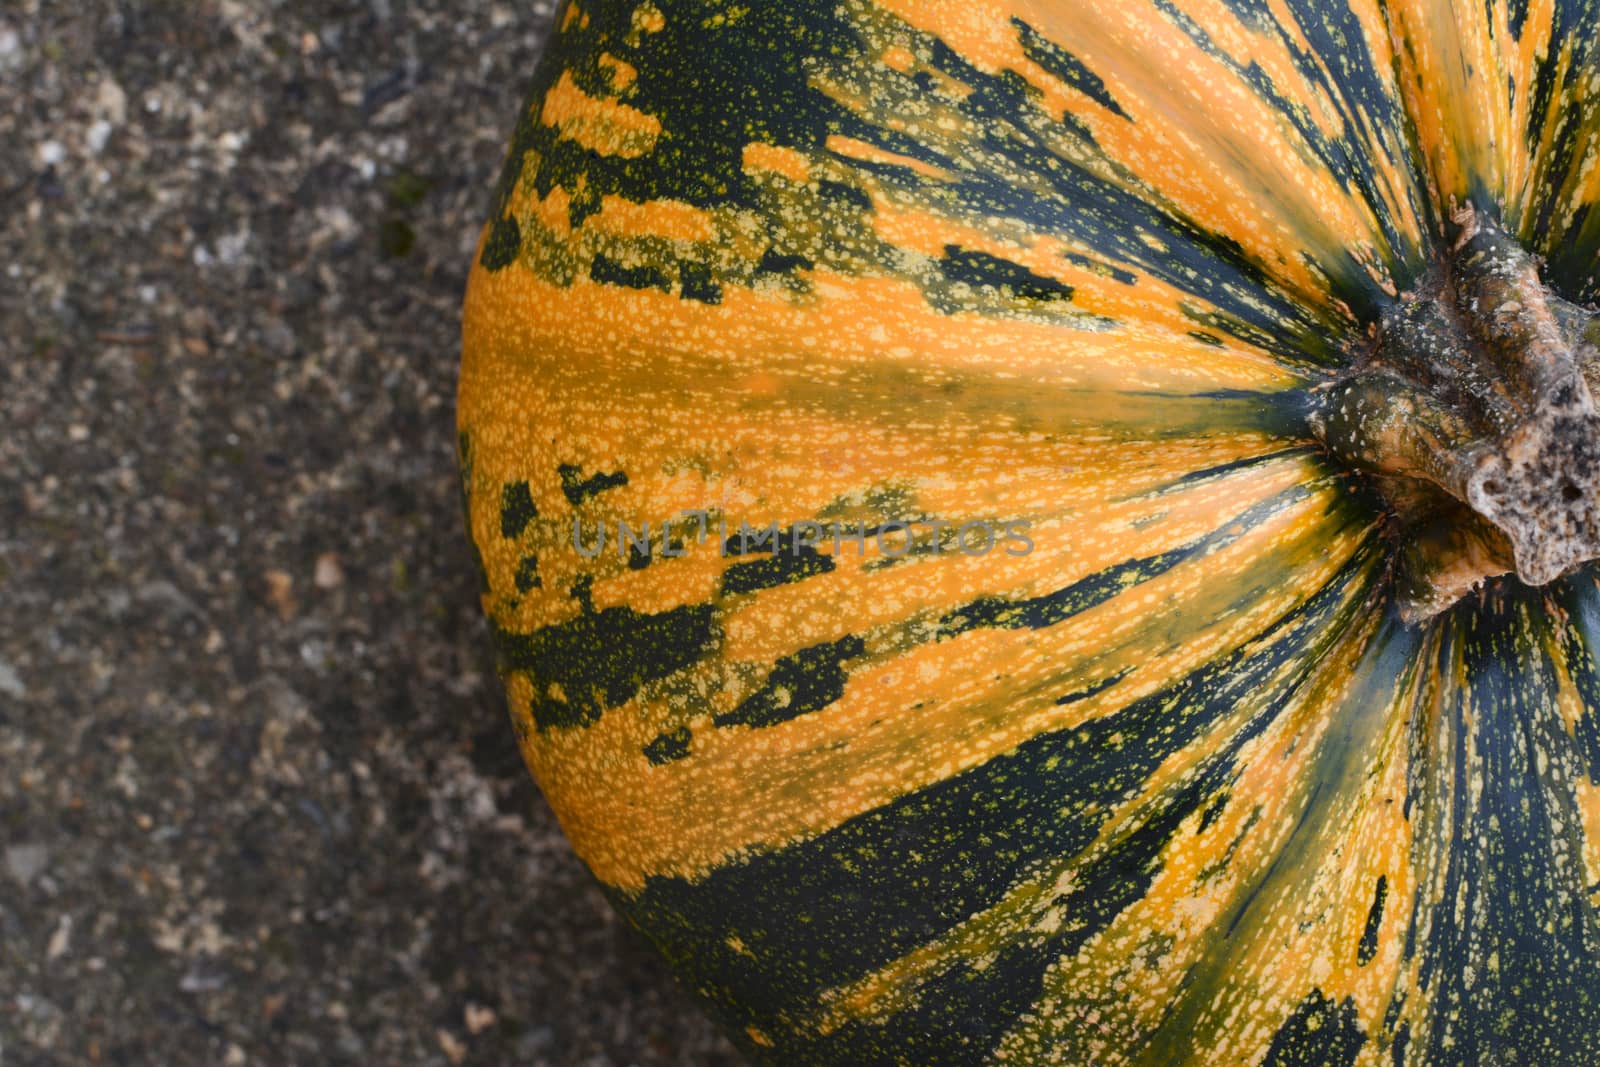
(259, 799)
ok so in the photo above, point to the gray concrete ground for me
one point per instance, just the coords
(259, 800)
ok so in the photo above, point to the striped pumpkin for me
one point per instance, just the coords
(1165, 775)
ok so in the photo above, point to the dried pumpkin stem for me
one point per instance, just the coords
(1480, 386)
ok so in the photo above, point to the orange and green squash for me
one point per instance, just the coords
(1198, 662)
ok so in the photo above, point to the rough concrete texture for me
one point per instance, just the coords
(259, 800)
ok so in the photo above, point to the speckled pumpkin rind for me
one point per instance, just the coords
(1176, 786)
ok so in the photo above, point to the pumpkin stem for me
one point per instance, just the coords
(1480, 386)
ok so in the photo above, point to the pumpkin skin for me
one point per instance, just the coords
(1179, 785)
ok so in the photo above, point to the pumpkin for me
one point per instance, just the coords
(1025, 531)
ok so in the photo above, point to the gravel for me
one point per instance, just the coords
(259, 798)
